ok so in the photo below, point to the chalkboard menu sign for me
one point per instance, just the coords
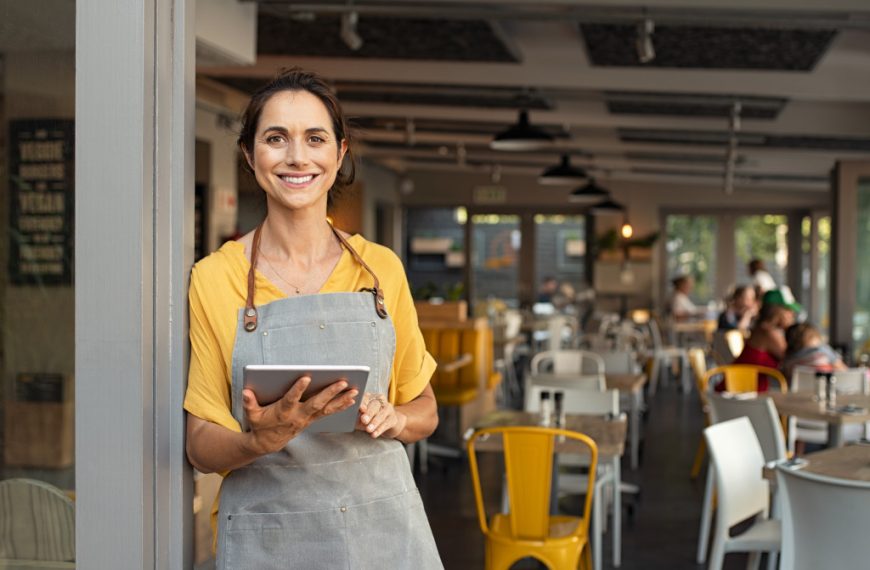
(41, 201)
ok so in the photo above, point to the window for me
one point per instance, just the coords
(690, 246)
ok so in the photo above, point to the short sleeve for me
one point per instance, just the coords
(413, 366)
(208, 387)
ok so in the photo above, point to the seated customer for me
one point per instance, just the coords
(805, 348)
(742, 308)
(680, 306)
(766, 344)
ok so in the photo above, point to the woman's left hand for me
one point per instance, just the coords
(378, 417)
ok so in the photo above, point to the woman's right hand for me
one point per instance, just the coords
(272, 426)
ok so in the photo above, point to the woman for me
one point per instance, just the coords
(298, 291)
(766, 344)
(742, 308)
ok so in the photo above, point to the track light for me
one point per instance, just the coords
(521, 136)
(349, 34)
(646, 51)
(562, 173)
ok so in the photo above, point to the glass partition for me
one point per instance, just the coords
(37, 108)
(560, 243)
(495, 252)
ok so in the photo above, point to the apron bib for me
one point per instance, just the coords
(327, 500)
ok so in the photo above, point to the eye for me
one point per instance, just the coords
(316, 139)
(275, 140)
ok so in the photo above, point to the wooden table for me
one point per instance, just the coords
(608, 435)
(704, 326)
(850, 462)
(804, 405)
(629, 384)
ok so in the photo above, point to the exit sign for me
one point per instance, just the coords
(490, 195)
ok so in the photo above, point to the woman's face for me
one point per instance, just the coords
(296, 155)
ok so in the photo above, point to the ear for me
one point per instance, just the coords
(342, 150)
(248, 157)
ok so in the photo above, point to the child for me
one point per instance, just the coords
(805, 348)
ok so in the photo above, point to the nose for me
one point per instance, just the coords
(296, 153)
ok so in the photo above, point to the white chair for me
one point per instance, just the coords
(825, 521)
(593, 403)
(38, 525)
(803, 379)
(768, 429)
(663, 356)
(742, 492)
(585, 364)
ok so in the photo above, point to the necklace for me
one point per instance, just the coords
(297, 289)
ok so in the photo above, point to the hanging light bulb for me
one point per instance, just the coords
(627, 231)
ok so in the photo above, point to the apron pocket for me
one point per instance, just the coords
(392, 533)
(267, 541)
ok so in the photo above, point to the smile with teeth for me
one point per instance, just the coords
(297, 179)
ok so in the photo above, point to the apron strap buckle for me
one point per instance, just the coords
(380, 306)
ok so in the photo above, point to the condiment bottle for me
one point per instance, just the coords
(546, 411)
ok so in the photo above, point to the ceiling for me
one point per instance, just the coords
(434, 81)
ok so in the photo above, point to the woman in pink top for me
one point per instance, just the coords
(766, 345)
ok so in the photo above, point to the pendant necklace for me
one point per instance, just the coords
(296, 288)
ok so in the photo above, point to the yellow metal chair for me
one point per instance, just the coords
(698, 362)
(744, 377)
(529, 529)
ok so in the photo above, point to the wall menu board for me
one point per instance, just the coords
(41, 201)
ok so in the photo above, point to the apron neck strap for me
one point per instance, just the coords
(250, 314)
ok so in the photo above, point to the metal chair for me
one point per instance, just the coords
(744, 377)
(529, 529)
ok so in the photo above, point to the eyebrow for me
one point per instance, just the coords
(283, 130)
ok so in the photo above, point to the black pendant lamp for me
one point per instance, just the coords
(521, 136)
(562, 173)
(608, 206)
(589, 192)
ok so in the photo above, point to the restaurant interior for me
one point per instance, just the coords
(577, 190)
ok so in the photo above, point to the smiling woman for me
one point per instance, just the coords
(322, 297)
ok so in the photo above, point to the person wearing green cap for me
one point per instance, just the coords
(782, 297)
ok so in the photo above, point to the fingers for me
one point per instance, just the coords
(317, 403)
(378, 418)
(249, 402)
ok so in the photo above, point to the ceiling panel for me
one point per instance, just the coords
(700, 47)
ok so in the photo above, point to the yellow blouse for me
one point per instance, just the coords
(218, 288)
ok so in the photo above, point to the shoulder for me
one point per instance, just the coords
(221, 270)
(377, 256)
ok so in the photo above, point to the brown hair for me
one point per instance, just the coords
(798, 336)
(297, 79)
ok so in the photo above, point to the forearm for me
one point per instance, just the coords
(421, 416)
(214, 448)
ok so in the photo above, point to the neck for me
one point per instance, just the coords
(304, 237)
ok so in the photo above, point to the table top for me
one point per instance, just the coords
(608, 434)
(628, 383)
(804, 405)
(850, 462)
(701, 325)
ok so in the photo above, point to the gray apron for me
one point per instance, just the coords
(327, 500)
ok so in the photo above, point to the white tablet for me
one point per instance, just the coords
(270, 382)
